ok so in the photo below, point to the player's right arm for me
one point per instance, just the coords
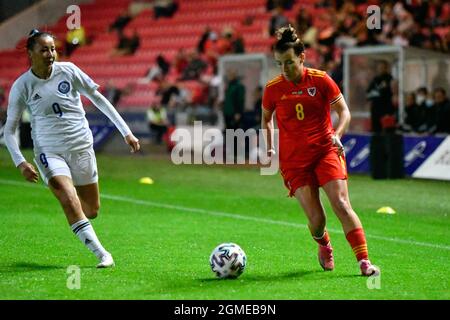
(267, 124)
(267, 110)
(16, 106)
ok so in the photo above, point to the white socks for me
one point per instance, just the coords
(84, 231)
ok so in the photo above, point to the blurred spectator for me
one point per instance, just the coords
(305, 28)
(417, 37)
(277, 20)
(121, 22)
(252, 118)
(237, 43)
(436, 41)
(442, 111)
(234, 101)
(224, 44)
(285, 4)
(157, 122)
(75, 38)
(211, 48)
(158, 71)
(203, 39)
(437, 15)
(387, 23)
(425, 103)
(419, 9)
(423, 99)
(404, 19)
(167, 90)
(127, 45)
(214, 85)
(432, 40)
(414, 114)
(2, 117)
(137, 6)
(379, 93)
(216, 46)
(2, 96)
(336, 71)
(181, 61)
(400, 39)
(194, 68)
(324, 4)
(164, 8)
(446, 42)
(114, 94)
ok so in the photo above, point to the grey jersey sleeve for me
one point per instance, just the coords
(16, 106)
(107, 108)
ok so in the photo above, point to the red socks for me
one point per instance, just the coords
(323, 240)
(357, 241)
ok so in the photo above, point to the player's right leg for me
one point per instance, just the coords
(309, 199)
(56, 174)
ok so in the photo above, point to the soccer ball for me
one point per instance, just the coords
(228, 260)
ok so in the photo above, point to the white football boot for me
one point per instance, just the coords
(106, 261)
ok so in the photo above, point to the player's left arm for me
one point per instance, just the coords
(88, 88)
(341, 108)
(107, 108)
(337, 102)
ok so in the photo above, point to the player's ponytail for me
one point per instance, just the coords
(34, 35)
(286, 39)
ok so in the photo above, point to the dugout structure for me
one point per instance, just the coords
(411, 68)
(252, 69)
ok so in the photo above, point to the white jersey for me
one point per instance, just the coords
(58, 119)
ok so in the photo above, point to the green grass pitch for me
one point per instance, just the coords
(161, 236)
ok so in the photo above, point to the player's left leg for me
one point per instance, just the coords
(84, 172)
(331, 173)
(90, 199)
(337, 192)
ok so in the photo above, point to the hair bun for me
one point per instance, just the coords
(286, 34)
(33, 33)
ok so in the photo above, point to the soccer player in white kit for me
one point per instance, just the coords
(63, 142)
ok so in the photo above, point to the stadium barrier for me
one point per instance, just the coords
(423, 156)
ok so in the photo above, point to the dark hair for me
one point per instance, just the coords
(441, 90)
(34, 35)
(287, 39)
(422, 90)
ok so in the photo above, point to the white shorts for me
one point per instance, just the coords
(80, 166)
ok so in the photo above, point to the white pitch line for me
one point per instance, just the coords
(234, 216)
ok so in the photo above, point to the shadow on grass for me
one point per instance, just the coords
(297, 275)
(268, 277)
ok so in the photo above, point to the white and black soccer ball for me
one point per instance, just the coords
(228, 260)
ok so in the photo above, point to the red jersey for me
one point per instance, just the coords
(303, 116)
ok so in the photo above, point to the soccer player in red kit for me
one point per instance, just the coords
(311, 153)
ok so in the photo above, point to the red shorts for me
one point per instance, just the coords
(327, 168)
